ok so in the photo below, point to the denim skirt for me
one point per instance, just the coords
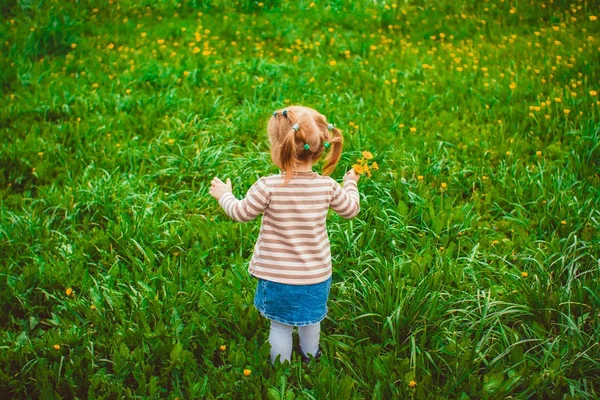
(295, 305)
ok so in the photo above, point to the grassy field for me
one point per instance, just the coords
(472, 270)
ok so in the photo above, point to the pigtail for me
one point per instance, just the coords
(288, 153)
(336, 142)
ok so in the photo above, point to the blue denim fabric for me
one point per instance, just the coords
(295, 305)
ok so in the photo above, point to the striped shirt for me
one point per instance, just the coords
(293, 244)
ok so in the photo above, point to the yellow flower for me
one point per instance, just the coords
(332, 63)
(186, 73)
(111, 46)
(160, 41)
(95, 85)
(538, 153)
(367, 155)
(508, 153)
(566, 111)
(171, 141)
(563, 222)
(128, 91)
(69, 291)
(593, 18)
(413, 129)
(373, 47)
(41, 154)
(247, 372)
(93, 307)
(420, 177)
(513, 85)
(374, 166)
(412, 384)
(143, 34)
(593, 93)
(73, 45)
(56, 347)
(223, 348)
(196, 50)
(444, 185)
(358, 169)
(524, 274)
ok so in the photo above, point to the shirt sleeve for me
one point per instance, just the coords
(256, 201)
(345, 201)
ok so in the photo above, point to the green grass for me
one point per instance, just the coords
(486, 288)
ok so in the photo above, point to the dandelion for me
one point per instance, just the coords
(495, 242)
(508, 153)
(593, 93)
(413, 129)
(56, 347)
(247, 372)
(420, 177)
(144, 34)
(444, 185)
(223, 347)
(69, 291)
(186, 73)
(160, 41)
(73, 45)
(358, 169)
(95, 85)
(566, 111)
(593, 18)
(538, 153)
(512, 86)
(93, 307)
(41, 154)
(128, 91)
(563, 222)
(312, 79)
(332, 63)
(367, 155)
(171, 141)
(111, 46)
(412, 384)
(524, 274)
(374, 166)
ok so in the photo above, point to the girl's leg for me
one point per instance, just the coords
(309, 338)
(280, 338)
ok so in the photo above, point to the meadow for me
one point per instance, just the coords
(472, 270)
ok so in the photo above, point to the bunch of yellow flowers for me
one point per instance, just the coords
(362, 164)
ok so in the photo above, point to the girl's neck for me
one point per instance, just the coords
(302, 168)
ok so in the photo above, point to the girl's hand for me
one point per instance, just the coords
(352, 175)
(218, 188)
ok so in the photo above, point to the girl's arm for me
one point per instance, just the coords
(255, 202)
(346, 201)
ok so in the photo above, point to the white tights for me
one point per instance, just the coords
(280, 338)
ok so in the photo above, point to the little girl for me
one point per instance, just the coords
(292, 258)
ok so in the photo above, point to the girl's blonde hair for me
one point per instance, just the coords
(312, 130)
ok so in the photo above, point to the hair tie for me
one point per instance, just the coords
(296, 127)
(326, 144)
(275, 114)
(306, 146)
(285, 113)
(330, 126)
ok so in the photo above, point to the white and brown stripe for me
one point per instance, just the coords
(293, 245)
